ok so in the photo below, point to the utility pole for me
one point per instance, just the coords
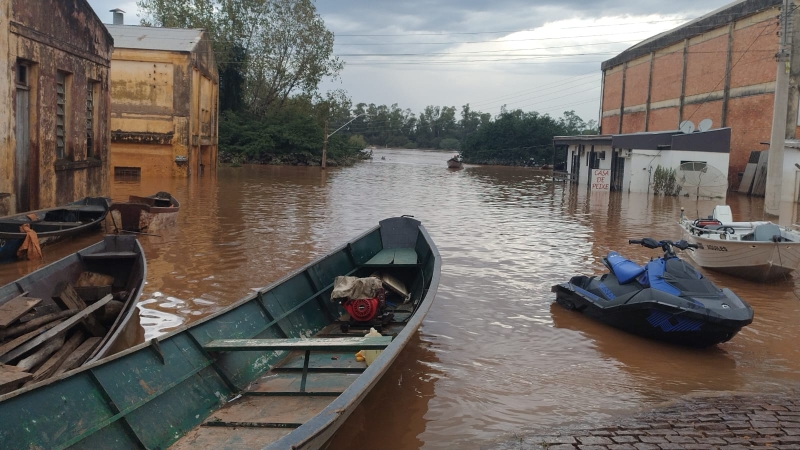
(777, 141)
(325, 146)
(325, 142)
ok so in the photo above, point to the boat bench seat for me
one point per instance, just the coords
(330, 344)
(60, 224)
(394, 257)
(109, 255)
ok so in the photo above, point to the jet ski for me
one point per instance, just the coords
(666, 299)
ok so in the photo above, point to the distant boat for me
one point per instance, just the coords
(758, 251)
(51, 224)
(144, 214)
(454, 163)
(275, 369)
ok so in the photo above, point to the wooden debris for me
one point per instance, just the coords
(91, 294)
(58, 358)
(111, 311)
(79, 356)
(42, 354)
(67, 297)
(67, 324)
(33, 324)
(93, 286)
(9, 346)
(11, 378)
(87, 279)
(15, 308)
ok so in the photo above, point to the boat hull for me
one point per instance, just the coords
(451, 164)
(752, 260)
(90, 211)
(143, 214)
(173, 392)
(129, 276)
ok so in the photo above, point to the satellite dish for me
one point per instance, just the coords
(687, 127)
(701, 180)
(704, 125)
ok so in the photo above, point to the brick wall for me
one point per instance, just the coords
(743, 99)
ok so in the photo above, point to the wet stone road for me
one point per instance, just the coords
(732, 422)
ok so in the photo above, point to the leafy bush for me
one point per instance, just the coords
(664, 182)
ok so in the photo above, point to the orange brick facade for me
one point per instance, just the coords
(724, 72)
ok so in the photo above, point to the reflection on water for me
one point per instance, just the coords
(494, 356)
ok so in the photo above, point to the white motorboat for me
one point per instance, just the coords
(758, 251)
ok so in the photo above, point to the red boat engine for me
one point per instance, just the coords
(361, 309)
(367, 313)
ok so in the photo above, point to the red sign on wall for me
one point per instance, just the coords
(601, 179)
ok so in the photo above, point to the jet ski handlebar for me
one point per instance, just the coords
(665, 245)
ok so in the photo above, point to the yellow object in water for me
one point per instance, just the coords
(360, 356)
(370, 355)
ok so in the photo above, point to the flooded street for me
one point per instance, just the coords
(495, 355)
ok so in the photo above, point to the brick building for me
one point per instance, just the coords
(720, 66)
(54, 93)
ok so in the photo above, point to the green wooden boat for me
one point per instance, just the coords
(274, 369)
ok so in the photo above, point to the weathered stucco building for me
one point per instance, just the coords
(164, 97)
(720, 66)
(54, 92)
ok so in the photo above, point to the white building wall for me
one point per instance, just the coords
(641, 165)
(583, 175)
(791, 173)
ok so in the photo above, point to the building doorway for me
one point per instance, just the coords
(24, 173)
(617, 170)
(575, 167)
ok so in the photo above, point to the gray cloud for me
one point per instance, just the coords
(416, 82)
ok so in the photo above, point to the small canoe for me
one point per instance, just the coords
(144, 214)
(51, 224)
(454, 163)
(81, 307)
(275, 369)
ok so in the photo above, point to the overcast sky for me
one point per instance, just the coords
(541, 55)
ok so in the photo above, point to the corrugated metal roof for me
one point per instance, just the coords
(154, 38)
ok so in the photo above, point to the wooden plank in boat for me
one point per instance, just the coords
(405, 256)
(268, 412)
(79, 356)
(383, 257)
(11, 345)
(54, 362)
(287, 384)
(218, 437)
(66, 296)
(63, 326)
(15, 308)
(340, 344)
(11, 378)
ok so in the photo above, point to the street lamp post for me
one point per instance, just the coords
(325, 142)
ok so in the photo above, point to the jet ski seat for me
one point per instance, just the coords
(624, 269)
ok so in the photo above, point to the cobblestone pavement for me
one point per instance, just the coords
(730, 422)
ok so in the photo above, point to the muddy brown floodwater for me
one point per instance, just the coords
(494, 355)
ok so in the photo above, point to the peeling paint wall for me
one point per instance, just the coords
(164, 109)
(48, 37)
